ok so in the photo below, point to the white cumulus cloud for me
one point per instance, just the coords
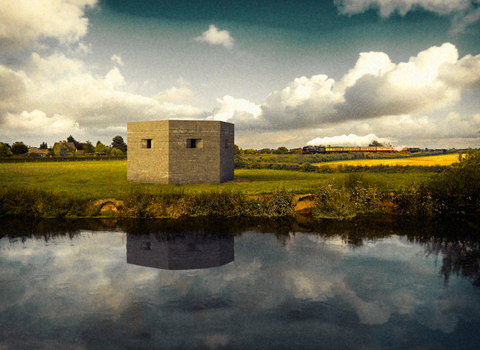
(214, 36)
(23, 22)
(375, 87)
(37, 122)
(239, 111)
(60, 93)
(400, 102)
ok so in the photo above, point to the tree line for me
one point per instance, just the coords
(117, 148)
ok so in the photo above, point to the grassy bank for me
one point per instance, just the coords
(92, 189)
(139, 203)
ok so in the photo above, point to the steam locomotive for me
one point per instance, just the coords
(323, 149)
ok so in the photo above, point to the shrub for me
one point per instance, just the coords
(416, 201)
(115, 152)
(348, 200)
(280, 204)
(307, 167)
(458, 190)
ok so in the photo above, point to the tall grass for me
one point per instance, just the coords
(226, 203)
(25, 202)
(140, 203)
(344, 200)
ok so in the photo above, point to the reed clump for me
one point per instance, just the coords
(38, 203)
(140, 202)
(355, 196)
(226, 203)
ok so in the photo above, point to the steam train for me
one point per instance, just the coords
(323, 149)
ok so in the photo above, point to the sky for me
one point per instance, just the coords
(286, 73)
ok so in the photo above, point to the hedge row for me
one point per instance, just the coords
(57, 159)
(241, 163)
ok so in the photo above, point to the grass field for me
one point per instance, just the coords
(99, 180)
(444, 159)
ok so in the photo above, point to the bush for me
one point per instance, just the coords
(115, 152)
(348, 200)
(307, 167)
(280, 204)
(416, 201)
(458, 190)
(452, 192)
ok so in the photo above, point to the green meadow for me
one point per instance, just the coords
(101, 189)
(108, 179)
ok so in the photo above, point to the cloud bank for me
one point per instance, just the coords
(23, 22)
(388, 7)
(47, 94)
(420, 97)
(58, 95)
(376, 96)
(464, 12)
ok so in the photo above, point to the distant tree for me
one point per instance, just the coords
(375, 143)
(117, 142)
(4, 150)
(43, 145)
(19, 148)
(237, 150)
(249, 151)
(77, 144)
(114, 152)
(100, 148)
(63, 152)
(295, 151)
(265, 151)
(281, 150)
(88, 147)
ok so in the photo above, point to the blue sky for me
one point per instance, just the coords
(287, 73)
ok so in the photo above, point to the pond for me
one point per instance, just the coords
(224, 285)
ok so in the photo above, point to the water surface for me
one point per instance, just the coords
(168, 288)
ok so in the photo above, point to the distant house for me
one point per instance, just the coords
(37, 152)
(180, 151)
(70, 146)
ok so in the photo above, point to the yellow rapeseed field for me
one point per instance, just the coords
(444, 159)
